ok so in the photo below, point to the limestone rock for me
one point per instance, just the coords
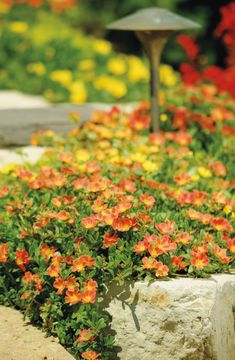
(181, 319)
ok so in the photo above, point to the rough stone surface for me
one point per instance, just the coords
(21, 115)
(22, 341)
(29, 154)
(183, 319)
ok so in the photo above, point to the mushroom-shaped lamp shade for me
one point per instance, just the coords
(153, 27)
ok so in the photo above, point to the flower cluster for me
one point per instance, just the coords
(69, 66)
(112, 202)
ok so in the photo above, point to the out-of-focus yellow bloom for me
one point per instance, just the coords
(138, 157)
(117, 66)
(102, 47)
(36, 68)
(204, 172)
(86, 64)
(150, 166)
(115, 87)
(6, 169)
(78, 92)
(163, 117)
(82, 155)
(168, 76)
(104, 144)
(18, 27)
(233, 215)
(227, 209)
(63, 77)
(194, 177)
(137, 70)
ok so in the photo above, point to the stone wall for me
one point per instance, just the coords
(181, 319)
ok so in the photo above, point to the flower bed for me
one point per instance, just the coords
(69, 66)
(113, 202)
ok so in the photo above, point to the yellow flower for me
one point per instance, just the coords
(168, 76)
(78, 92)
(83, 155)
(18, 27)
(63, 77)
(204, 172)
(117, 66)
(6, 169)
(150, 166)
(137, 70)
(102, 47)
(36, 68)
(163, 117)
(227, 209)
(194, 177)
(86, 64)
(138, 157)
(115, 87)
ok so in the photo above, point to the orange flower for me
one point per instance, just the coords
(98, 206)
(47, 251)
(165, 228)
(63, 215)
(59, 284)
(122, 207)
(57, 201)
(90, 222)
(85, 335)
(147, 199)
(177, 261)
(81, 263)
(66, 157)
(145, 218)
(90, 285)
(110, 239)
(231, 245)
(149, 263)
(182, 179)
(71, 283)
(199, 260)
(128, 186)
(88, 297)
(22, 258)
(53, 269)
(90, 355)
(4, 191)
(122, 224)
(218, 168)
(79, 184)
(221, 254)
(73, 297)
(162, 270)
(141, 246)
(221, 224)
(4, 251)
(183, 238)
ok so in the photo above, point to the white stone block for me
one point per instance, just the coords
(181, 319)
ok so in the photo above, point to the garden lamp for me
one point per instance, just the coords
(153, 26)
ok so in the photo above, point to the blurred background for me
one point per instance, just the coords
(61, 49)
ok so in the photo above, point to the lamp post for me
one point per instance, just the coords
(153, 27)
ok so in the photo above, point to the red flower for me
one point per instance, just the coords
(149, 263)
(221, 224)
(88, 297)
(59, 284)
(110, 239)
(22, 258)
(190, 47)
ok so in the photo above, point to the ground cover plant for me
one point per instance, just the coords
(113, 202)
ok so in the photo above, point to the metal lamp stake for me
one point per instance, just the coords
(153, 27)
